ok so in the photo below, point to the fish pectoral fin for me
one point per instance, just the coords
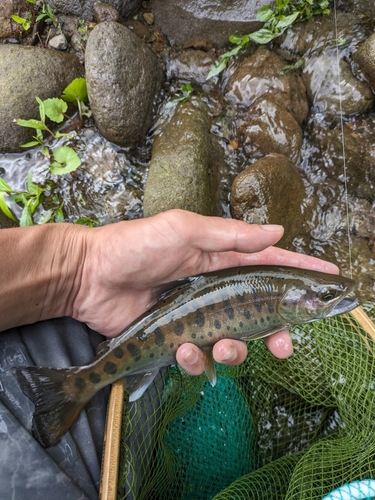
(209, 366)
(102, 348)
(137, 385)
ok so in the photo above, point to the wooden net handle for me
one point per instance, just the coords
(112, 439)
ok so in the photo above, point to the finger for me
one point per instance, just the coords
(230, 352)
(216, 234)
(280, 344)
(271, 256)
(191, 359)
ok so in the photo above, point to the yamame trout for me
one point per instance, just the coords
(240, 303)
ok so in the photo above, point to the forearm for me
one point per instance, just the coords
(38, 271)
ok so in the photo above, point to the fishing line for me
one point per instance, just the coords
(343, 143)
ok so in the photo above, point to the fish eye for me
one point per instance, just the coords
(326, 295)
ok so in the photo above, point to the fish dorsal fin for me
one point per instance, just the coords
(167, 289)
(136, 385)
(209, 366)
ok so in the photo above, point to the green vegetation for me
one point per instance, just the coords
(25, 23)
(186, 89)
(300, 64)
(63, 160)
(276, 20)
(30, 200)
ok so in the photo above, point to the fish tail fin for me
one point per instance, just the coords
(57, 401)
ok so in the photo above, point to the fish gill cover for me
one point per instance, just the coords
(272, 429)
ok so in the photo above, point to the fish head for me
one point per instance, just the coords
(315, 295)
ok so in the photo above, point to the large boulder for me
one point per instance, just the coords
(181, 20)
(27, 72)
(365, 58)
(185, 163)
(85, 8)
(332, 87)
(270, 191)
(123, 78)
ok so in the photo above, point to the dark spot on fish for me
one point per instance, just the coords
(241, 324)
(171, 346)
(118, 352)
(258, 305)
(134, 351)
(202, 337)
(217, 324)
(159, 336)
(152, 355)
(95, 377)
(285, 304)
(228, 328)
(262, 319)
(268, 318)
(128, 368)
(209, 334)
(247, 314)
(80, 383)
(110, 368)
(255, 322)
(271, 308)
(199, 318)
(193, 336)
(210, 307)
(228, 309)
(179, 328)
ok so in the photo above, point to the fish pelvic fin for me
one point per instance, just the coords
(56, 405)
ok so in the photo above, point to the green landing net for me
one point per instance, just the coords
(271, 429)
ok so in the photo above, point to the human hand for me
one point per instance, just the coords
(122, 263)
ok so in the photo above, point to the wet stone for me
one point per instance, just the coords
(365, 58)
(105, 12)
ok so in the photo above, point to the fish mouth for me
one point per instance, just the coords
(345, 305)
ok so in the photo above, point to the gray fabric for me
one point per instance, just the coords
(69, 470)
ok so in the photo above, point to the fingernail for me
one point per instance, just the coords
(271, 227)
(230, 355)
(190, 356)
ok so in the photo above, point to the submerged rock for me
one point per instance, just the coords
(258, 76)
(190, 65)
(181, 20)
(365, 58)
(329, 82)
(269, 128)
(270, 191)
(26, 73)
(184, 168)
(123, 78)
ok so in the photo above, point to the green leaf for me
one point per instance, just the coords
(66, 161)
(41, 16)
(42, 112)
(32, 1)
(263, 36)
(264, 14)
(59, 215)
(26, 218)
(46, 216)
(37, 124)
(218, 67)
(287, 20)
(55, 109)
(60, 134)
(30, 144)
(4, 208)
(4, 187)
(77, 90)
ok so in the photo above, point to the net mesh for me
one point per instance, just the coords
(271, 429)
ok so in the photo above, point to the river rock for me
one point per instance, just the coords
(270, 191)
(365, 58)
(319, 34)
(181, 20)
(269, 128)
(258, 76)
(27, 72)
(105, 12)
(85, 8)
(328, 82)
(123, 78)
(190, 65)
(8, 27)
(185, 163)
